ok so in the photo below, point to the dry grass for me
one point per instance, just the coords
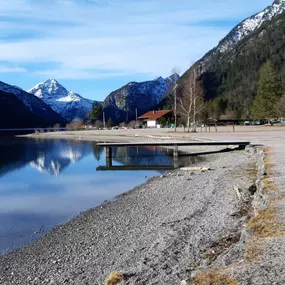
(268, 161)
(115, 278)
(280, 197)
(264, 224)
(252, 170)
(252, 250)
(212, 278)
(269, 185)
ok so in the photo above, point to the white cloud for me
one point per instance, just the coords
(6, 69)
(122, 37)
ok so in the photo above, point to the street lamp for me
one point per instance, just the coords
(175, 106)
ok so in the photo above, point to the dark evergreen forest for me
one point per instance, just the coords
(230, 79)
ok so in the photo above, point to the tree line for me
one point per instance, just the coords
(192, 106)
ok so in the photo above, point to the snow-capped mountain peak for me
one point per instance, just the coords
(251, 24)
(47, 88)
(67, 103)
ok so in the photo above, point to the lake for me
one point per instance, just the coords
(44, 183)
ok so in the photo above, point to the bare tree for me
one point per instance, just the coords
(98, 124)
(75, 125)
(56, 127)
(134, 124)
(175, 70)
(190, 99)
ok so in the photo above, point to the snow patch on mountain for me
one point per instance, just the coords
(67, 103)
(251, 24)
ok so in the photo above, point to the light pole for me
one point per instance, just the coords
(175, 107)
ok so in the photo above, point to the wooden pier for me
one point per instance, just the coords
(174, 144)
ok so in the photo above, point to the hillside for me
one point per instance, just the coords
(231, 69)
(15, 114)
(46, 116)
(121, 104)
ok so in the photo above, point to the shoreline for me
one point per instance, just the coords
(148, 232)
(260, 251)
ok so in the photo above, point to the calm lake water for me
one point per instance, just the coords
(44, 183)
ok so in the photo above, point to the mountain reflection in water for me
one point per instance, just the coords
(46, 182)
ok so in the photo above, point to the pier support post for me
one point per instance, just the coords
(175, 161)
(175, 151)
(175, 156)
(108, 151)
(241, 147)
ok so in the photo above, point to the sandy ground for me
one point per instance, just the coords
(257, 134)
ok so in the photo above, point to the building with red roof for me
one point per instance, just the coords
(150, 119)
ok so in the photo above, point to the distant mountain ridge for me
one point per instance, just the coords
(122, 104)
(66, 103)
(49, 102)
(20, 109)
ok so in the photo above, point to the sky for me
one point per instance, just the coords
(93, 47)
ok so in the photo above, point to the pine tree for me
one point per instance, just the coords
(96, 113)
(110, 123)
(268, 94)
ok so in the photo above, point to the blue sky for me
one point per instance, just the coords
(93, 47)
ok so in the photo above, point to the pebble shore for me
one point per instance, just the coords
(159, 233)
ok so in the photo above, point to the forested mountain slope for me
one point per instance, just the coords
(15, 114)
(122, 104)
(233, 73)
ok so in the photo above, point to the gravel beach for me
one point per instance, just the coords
(159, 232)
(257, 258)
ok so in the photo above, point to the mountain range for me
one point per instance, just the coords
(19, 109)
(137, 98)
(120, 105)
(230, 71)
(49, 102)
